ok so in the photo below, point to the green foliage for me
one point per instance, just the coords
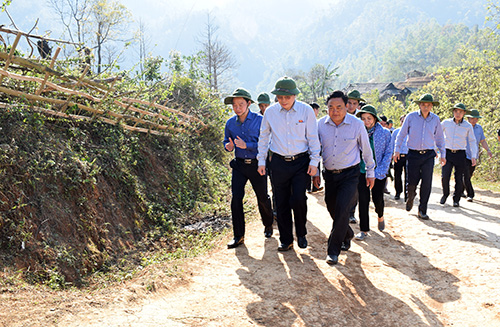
(5, 4)
(315, 84)
(493, 8)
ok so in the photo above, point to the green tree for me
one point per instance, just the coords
(316, 83)
(109, 20)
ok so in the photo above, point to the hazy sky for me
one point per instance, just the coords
(172, 21)
(259, 33)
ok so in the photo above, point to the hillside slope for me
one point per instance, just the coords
(79, 198)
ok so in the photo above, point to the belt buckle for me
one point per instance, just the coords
(248, 161)
(422, 151)
(336, 171)
(453, 151)
(288, 158)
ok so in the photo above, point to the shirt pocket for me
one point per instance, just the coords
(348, 143)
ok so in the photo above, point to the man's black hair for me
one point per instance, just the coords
(337, 94)
(314, 105)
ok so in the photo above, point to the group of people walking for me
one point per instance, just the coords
(287, 143)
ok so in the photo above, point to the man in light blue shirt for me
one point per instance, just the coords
(473, 118)
(289, 130)
(424, 132)
(458, 133)
(342, 137)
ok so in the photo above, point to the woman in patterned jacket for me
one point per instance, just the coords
(380, 141)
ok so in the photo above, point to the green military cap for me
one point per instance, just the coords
(238, 93)
(427, 98)
(285, 86)
(368, 109)
(474, 113)
(460, 106)
(355, 95)
(263, 98)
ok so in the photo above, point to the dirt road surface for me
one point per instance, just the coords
(440, 272)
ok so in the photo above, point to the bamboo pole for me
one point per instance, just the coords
(7, 30)
(65, 106)
(34, 97)
(42, 69)
(52, 62)
(11, 53)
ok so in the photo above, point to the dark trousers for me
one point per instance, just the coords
(377, 194)
(355, 203)
(290, 180)
(339, 198)
(399, 169)
(419, 168)
(457, 160)
(243, 172)
(469, 171)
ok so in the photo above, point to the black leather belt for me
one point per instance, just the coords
(291, 158)
(421, 151)
(338, 171)
(454, 151)
(247, 161)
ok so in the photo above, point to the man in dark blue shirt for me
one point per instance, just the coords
(241, 135)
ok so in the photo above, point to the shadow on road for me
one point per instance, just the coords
(293, 290)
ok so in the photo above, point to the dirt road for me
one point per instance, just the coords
(441, 272)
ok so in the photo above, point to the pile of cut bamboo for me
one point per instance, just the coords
(132, 114)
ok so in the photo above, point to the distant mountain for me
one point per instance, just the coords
(345, 31)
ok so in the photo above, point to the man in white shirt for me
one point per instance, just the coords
(289, 130)
(457, 132)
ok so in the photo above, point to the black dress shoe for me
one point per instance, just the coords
(302, 242)
(397, 197)
(268, 231)
(443, 199)
(285, 247)
(237, 241)
(332, 259)
(409, 204)
(455, 204)
(345, 246)
(422, 215)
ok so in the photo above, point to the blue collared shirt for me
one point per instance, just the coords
(341, 145)
(479, 134)
(248, 131)
(423, 133)
(289, 132)
(404, 146)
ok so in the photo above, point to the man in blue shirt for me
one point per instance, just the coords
(473, 118)
(424, 132)
(241, 136)
(289, 130)
(342, 138)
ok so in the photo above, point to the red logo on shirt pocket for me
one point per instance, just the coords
(301, 121)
